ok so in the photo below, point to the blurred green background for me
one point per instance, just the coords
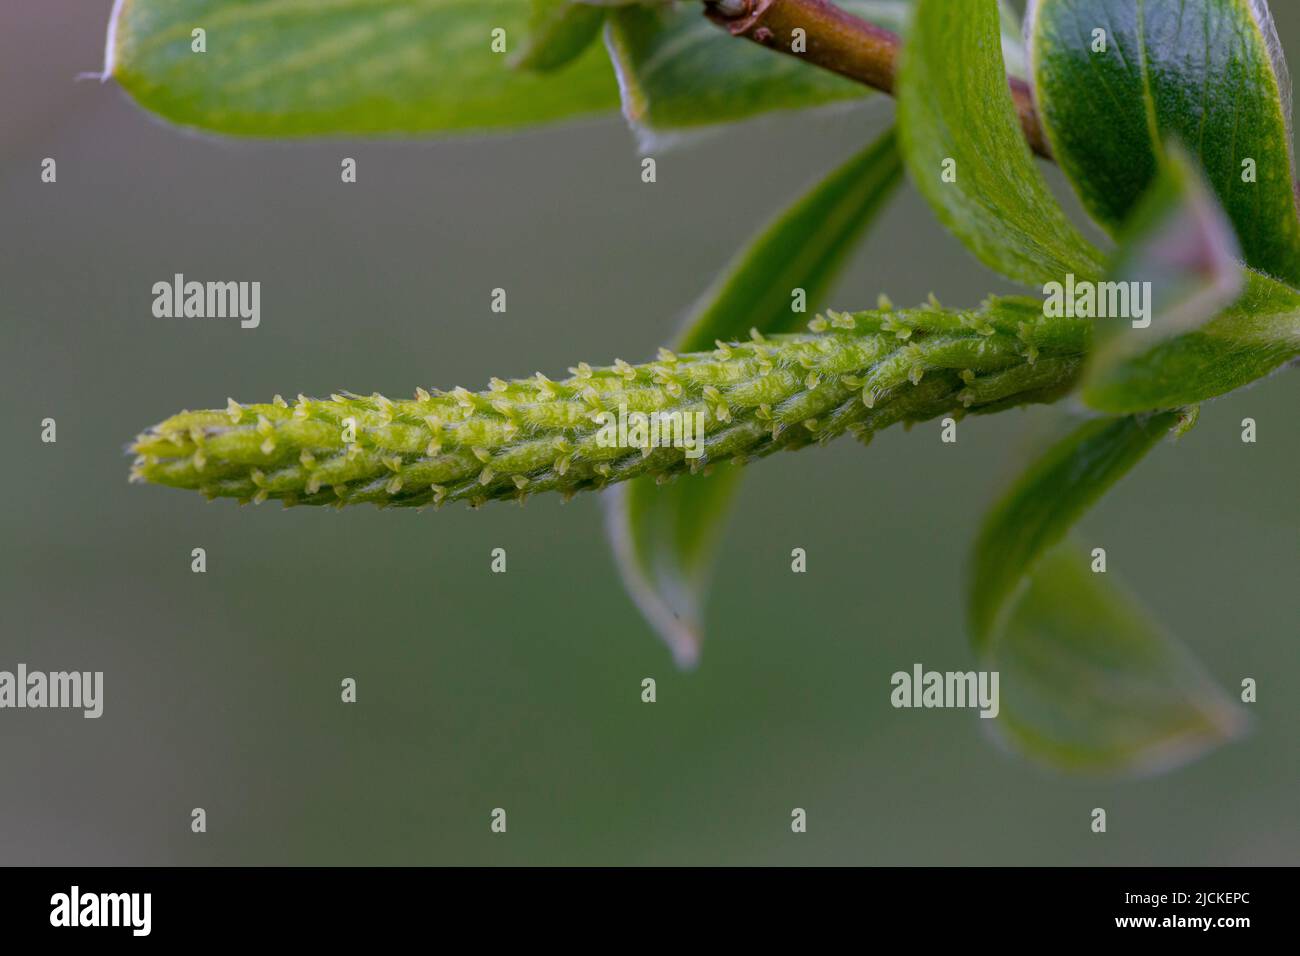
(522, 690)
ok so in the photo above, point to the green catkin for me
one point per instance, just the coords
(857, 373)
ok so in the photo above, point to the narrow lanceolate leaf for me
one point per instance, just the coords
(665, 539)
(329, 67)
(559, 32)
(1177, 267)
(1115, 79)
(1087, 681)
(965, 150)
(665, 536)
(744, 400)
(678, 71)
(1047, 501)
(788, 269)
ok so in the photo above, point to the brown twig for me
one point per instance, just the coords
(844, 44)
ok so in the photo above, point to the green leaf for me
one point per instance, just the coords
(805, 247)
(1043, 505)
(956, 117)
(1209, 73)
(1180, 242)
(335, 67)
(678, 71)
(1088, 683)
(1256, 335)
(665, 536)
(559, 32)
(1178, 265)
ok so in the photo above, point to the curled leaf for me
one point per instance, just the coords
(1177, 267)
(1256, 335)
(1210, 325)
(966, 153)
(1115, 79)
(1088, 682)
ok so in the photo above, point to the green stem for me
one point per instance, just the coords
(854, 373)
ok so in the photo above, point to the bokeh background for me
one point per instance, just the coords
(479, 690)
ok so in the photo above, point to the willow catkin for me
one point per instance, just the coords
(856, 372)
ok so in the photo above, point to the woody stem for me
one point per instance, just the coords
(844, 44)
